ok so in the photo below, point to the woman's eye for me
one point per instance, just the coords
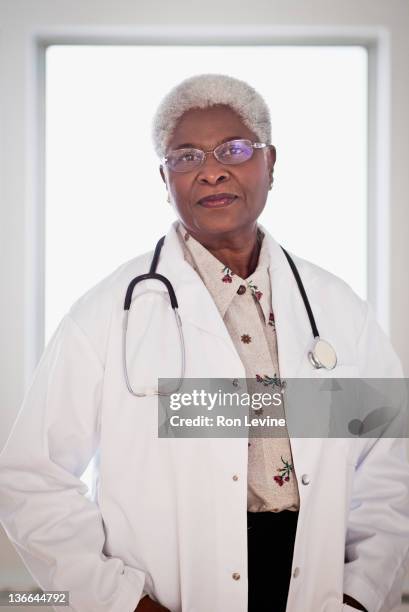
(187, 156)
(234, 150)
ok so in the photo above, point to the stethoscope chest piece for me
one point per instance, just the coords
(322, 355)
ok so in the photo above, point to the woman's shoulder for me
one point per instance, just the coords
(324, 283)
(92, 311)
(110, 286)
(319, 282)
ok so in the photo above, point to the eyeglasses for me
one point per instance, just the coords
(231, 152)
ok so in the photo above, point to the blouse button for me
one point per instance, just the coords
(241, 290)
(236, 576)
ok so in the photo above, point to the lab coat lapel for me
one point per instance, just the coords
(293, 330)
(294, 336)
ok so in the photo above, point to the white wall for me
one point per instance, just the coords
(382, 25)
(101, 167)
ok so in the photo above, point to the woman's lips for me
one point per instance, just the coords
(218, 202)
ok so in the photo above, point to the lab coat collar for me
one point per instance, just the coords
(294, 336)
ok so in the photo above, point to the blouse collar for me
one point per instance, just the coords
(220, 281)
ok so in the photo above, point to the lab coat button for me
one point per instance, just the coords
(235, 477)
(235, 576)
(305, 479)
(296, 572)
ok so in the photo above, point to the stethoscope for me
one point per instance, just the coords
(321, 355)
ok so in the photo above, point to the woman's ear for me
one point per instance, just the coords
(271, 151)
(273, 157)
(162, 173)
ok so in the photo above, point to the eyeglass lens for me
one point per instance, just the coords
(232, 152)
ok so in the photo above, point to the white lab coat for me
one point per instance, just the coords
(168, 518)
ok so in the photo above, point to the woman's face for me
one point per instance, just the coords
(205, 129)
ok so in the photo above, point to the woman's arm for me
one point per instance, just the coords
(377, 539)
(58, 531)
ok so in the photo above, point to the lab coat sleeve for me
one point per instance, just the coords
(56, 529)
(377, 539)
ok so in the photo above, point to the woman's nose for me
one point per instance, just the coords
(212, 171)
(213, 178)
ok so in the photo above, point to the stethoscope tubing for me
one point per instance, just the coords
(303, 293)
(152, 274)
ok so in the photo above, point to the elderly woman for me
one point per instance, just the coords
(206, 524)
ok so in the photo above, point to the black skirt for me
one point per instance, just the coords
(270, 537)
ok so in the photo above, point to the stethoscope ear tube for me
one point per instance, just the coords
(156, 254)
(125, 361)
(173, 302)
(149, 275)
(152, 275)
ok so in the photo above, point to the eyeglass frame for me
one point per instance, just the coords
(254, 145)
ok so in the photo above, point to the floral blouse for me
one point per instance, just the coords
(245, 306)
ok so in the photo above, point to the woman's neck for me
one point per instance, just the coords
(240, 254)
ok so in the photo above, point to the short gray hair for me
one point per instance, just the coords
(202, 91)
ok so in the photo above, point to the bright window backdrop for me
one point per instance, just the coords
(105, 199)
